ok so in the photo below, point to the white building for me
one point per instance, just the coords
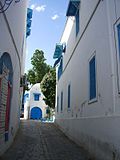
(88, 87)
(12, 50)
(34, 106)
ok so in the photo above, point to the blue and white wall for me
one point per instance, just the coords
(88, 99)
(12, 46)
(34, 100)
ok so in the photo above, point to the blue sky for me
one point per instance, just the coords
(48, 23)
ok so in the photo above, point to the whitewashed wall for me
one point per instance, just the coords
(41, 104)
(31, 103)
(93, 125)
(12, 32)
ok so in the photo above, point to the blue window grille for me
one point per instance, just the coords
(92, 78)
(69, 95)
(60, 69)
(61, 101)
(36, 97)
(118, 30)
(77, 21)
(57, 104)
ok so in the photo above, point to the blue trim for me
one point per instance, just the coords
(58, 51)
(92, 78)
(29, 21)
(36, 96)
(37, 93)
(36, 113)
(60, 69)
(73, 7)
(28, 32)
(29, 13)
(57, 61)
(6, 60)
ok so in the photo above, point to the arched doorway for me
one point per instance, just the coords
(6, 79)
(36, 113)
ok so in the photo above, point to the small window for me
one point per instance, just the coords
(77, 22)
(69, 88)
(57, 103)
(61, 101)
(36, 97)
(92, 78)
(60, 69)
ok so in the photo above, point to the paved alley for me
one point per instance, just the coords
(43, 141)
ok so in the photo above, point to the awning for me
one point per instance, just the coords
(58, 50)
(73, 7)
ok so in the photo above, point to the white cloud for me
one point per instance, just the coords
(55, 17)
(32, 6)
(40, 8)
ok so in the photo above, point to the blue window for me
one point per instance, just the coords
(92, 78)
(57, 104)
(118, 29)
(61, 101)
(60, 69)
(36, 96)
(69, 88)
(77, 22)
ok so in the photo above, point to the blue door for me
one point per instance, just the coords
(36, 113)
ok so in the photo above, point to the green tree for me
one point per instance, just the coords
(40, 67)
(31, 76)
(48, 85)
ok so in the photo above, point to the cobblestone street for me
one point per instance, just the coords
(43, 141)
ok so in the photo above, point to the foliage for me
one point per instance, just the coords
(40, 68)
(31, 76)
(44, 74)
(48, 85)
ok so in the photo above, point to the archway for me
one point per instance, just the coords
(36, 113)
(6, 79)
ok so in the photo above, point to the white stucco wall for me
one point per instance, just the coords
(26, 105)
(31, 103)
(93, 125)
(12, 31)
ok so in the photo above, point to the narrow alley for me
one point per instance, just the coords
(43, 141)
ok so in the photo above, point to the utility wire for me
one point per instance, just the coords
(4, 7)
